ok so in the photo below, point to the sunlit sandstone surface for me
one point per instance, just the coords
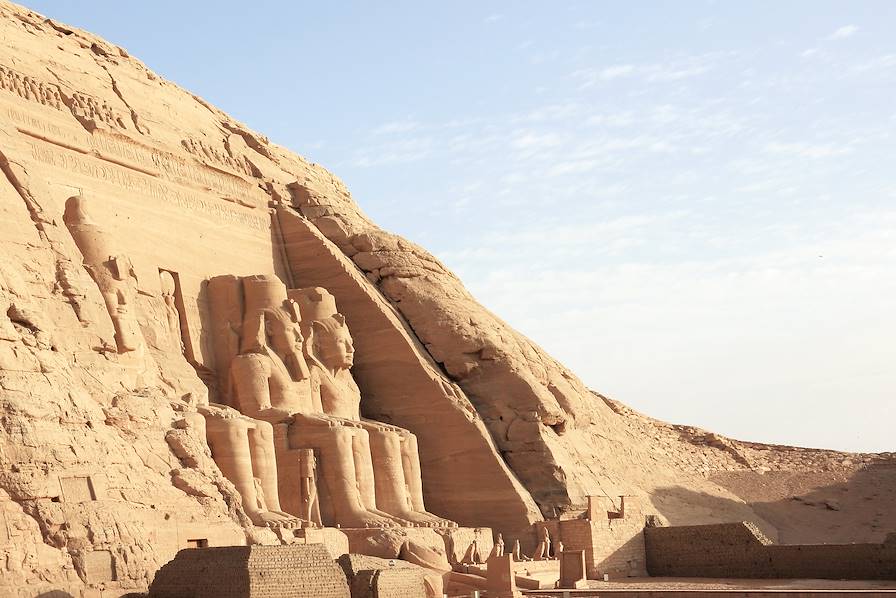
(205, 342)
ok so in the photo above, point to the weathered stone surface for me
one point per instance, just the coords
(123, 197)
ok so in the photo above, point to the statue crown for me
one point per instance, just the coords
(315, 303)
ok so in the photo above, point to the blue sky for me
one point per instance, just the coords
(692, 205)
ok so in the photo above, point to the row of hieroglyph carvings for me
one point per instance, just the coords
(291, 439)
(92, 112)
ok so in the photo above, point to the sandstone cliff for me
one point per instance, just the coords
(99, 485)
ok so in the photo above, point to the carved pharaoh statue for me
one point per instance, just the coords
(242, 447)
(398, 486)
(268, 377)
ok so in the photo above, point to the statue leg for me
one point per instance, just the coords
(410, 461)
(228, 439)
(391, 487)
(337, 470)
(264, 464)
(369, 482)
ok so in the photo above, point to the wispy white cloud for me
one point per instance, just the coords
(807, 150)
(616, 71)
(398, 126)
(887, 61)
(843, 32)
(399, 151)
(652, 72)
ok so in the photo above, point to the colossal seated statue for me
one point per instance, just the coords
(269, 378)
(243, 448)
(330, 355)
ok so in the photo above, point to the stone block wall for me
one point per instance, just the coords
(740, 550)
(297, 571)
(372, 577)
(613, 540)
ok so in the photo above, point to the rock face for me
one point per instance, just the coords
(123, 199)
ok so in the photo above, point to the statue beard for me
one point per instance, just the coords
(294, 366)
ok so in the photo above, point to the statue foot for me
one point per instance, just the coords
(275, 519)
(303, 523)
(422, 519)
(434, 520)
(399, 519)
(367, 519)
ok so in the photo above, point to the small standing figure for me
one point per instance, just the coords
(472, 556)
(310, 505)
(172, 315)
(518, 555)
(498, 547)
(543, 552)
(558, 549)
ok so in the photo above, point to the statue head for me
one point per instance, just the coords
(93, 242)
(167, 284)
(331, 342)
(76, 212)
(272, 320)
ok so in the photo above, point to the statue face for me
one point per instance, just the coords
(335, 347)
(283, 332)
(285, 337)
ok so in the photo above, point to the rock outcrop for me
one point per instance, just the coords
(111, 348)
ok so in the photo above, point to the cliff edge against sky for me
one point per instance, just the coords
(94, 467)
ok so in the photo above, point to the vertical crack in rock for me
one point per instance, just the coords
(63, 265)
(115, 88)
(34, 209)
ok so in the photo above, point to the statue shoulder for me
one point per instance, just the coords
(251, 361)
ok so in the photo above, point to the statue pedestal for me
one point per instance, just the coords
(333, 539)
(452, 542)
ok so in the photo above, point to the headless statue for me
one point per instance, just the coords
(398, 487)
(113, 274)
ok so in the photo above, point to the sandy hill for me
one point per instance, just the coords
(507, 434)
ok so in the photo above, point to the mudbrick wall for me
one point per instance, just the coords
(740, 550)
